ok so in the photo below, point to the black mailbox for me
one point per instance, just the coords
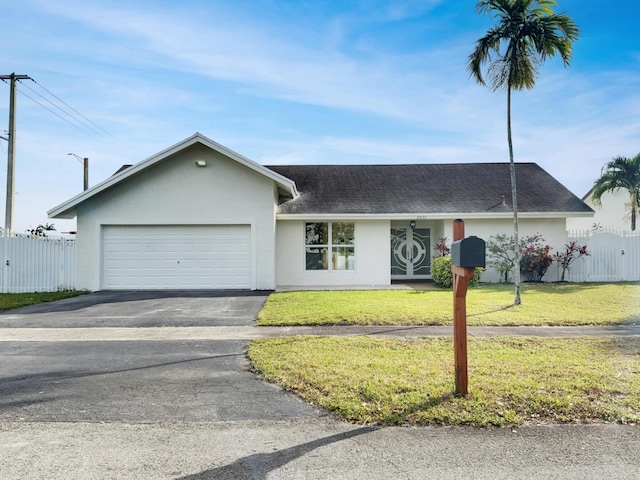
(468, 252)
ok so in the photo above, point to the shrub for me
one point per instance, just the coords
(500, 255)
(442, 247)
(442, 276)
(535, 258)
(572, 251)
(441, 271)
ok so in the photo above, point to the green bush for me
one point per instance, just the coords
(442, 276)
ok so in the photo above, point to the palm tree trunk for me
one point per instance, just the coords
(514, 201)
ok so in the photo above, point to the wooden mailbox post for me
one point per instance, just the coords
(466, 255)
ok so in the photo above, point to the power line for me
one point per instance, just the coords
(73, 109)
(51, 111)
(66, 110)
(60, 108)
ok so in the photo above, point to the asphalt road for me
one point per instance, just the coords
(171, 408)
(137, 382)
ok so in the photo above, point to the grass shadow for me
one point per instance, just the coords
(501, 309)
(401, 418)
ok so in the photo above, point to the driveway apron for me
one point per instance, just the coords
(138, 380)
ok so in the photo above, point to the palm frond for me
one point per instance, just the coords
(526, 33)
(620, 173)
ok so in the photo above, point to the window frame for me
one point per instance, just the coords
(329, 247)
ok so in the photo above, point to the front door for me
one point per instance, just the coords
(410, 253)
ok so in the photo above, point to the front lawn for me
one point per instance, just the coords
(15, 300)
(511, 380)
(490, 304)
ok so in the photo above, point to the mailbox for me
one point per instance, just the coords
(468, 252)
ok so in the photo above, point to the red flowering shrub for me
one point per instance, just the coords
(535, 258)
(572, 252)
(442, 247)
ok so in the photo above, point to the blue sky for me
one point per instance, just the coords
(285, 82)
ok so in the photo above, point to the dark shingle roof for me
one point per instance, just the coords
(424, 188)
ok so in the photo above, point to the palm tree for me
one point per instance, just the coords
(620, 173)
(526, 33)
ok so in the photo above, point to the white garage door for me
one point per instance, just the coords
(181, 257)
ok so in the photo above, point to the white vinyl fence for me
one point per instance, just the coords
(37, 264)
(48, 264)
(615, 256)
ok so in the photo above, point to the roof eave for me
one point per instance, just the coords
(426, 216)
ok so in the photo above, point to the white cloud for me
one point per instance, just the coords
(152, 75)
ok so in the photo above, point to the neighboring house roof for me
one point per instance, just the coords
(434, 189)
(587, 195)
(68, 208)
(123, 168)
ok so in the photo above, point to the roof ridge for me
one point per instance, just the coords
(394, 164)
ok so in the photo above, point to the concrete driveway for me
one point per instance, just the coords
(138, 381)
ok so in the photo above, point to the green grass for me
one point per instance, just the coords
(512, 381)
(490, 304)
(15, 300)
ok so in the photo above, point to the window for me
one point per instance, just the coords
(330, 246)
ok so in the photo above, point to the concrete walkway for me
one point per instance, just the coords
(79, 334)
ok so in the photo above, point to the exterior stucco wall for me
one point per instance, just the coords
(178, 192)
(553, 231)
(614, 213)
(372, 250)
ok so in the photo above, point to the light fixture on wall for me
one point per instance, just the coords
(201, 163)
(412, 224)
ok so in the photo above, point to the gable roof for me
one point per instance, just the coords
(68, 208)
(474, 189)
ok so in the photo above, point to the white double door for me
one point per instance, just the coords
(410, 253)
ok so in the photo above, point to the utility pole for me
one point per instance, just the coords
(85, 163)
(11, 156)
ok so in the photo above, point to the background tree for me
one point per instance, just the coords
(620, 173)
(40, 230)
(525, 34)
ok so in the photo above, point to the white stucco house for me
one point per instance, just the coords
(613, 214)
(200, 216)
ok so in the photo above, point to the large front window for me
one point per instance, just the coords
(330, 245)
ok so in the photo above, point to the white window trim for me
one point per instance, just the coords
(329, 246)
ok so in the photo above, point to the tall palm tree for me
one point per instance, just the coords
(621, 173)
(525, 34)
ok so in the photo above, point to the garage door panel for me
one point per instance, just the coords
(150, 257)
